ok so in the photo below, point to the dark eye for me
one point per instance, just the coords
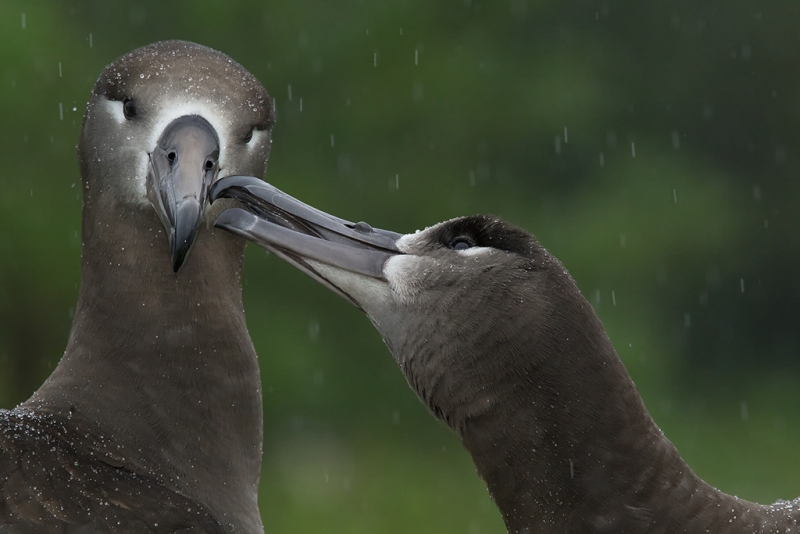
(461, 243)
(249, 136)
(128, 108)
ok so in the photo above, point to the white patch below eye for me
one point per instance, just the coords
(256, 140)
(114, 108)
(475, 251)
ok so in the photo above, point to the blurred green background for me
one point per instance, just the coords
(651, 146)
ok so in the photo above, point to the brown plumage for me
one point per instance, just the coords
(495, 338)
(152, 420)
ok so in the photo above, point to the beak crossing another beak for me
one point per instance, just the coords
(183, 165)
(301, 234)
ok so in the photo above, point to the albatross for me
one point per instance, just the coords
(152, 420)
(495, 338)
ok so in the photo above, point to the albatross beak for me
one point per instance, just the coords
(183, 165)
(297, 232)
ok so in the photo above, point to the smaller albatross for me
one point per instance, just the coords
(152, 420)
(495, 338)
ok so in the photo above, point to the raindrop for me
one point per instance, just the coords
(375, 58)
(60, 75)
(332, 142)
(397, 181)
(674, 196)
(745, 412)
(741, 284)
(401, 30)
(597, 296)
(756, 192)
(566, 137)
(416, 57)
(613, 298)
(622, 241)
(676, 140)
(90, 41)
(558, 144)
(611, 138)
(687, 320)
(23, 21)
(472, 178)
(418, 92)
(290, 92)
(602, 159)
(313, 330)
(61, 111)
(633, 149)
(301, 104)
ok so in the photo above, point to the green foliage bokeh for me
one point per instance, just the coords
(652, 147)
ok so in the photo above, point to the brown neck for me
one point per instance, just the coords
(557, 429)
(557, 459)
(161, 366)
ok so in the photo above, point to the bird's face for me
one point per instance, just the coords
(163, 123)
(448, 283)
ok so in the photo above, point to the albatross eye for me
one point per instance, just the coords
(249, 136)
(461, 243)
(128, 108)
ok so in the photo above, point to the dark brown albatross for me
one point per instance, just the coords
(152, 420)
(492, 333)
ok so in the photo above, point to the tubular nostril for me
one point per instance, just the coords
(209, 164)
(172, 156)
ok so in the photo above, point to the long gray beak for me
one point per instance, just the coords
(297, 232)
(182, 167)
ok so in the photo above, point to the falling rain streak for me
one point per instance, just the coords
(633, 149)
(60, 111)
(23, 21)
(332, 142)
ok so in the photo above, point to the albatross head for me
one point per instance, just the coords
(162, 124)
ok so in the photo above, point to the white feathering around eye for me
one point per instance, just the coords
(172, 109)
(165, 112)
